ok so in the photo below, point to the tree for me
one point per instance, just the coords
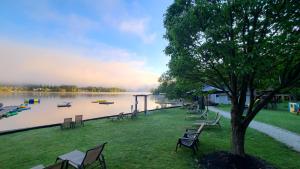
(177, 88)
(236, 46)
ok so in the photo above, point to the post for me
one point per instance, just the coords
(145, 105)
(136, 103)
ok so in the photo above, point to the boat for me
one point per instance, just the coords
(13, 113)
(99, 101)
(7, 109)
(65, 104)
(106, 102)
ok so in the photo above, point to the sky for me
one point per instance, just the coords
(83, 42)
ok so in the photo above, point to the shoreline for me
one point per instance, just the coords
(5, 132)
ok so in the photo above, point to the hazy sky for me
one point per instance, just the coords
(82, 42)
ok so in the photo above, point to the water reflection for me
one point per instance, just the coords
(47, 112)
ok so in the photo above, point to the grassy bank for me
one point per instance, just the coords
(279, 117)
(147, 142)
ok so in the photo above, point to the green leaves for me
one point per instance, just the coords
(218, 40)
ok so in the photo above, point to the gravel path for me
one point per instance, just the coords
(286, 137)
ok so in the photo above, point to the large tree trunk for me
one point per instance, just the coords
(238, 131)
(238, 140)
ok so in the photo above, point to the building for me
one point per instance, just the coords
(218, 96)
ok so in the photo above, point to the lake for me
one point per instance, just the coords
(47, 112)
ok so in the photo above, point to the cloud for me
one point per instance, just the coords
(25, 64)
(137, 27)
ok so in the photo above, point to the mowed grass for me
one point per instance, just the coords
(279, 117)
(147, 142)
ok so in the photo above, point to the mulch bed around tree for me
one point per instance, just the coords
(227, 160)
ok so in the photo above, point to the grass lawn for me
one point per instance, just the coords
(280, 117)
(147, 142)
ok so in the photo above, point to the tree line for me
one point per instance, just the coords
(61, 88)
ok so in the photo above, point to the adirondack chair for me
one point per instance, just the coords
(190, 140)
(120, 116)
(78, 121)
(68, 123)
(201, 115)
(215, 122)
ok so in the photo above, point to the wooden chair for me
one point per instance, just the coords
(120, 116)
(68, 123)
(215, 122)
(190, 140)
(80, 160)
(78, 121)
(201, 115)
(59, 165)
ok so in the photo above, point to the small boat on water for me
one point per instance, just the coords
(107, 102)
(65, 104)
(8, 111)
(103, 102)
(98, 101)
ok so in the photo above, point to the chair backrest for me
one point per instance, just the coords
(92, 154)
(67, 120)
(78, 118)
(58, 165)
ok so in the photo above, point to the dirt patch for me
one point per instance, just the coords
(227, 160)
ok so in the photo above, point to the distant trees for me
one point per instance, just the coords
(177, 88)
(238, 47)
(62, 88)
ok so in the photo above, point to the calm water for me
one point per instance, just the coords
(47, 112)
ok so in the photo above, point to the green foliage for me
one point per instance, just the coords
(214, 41)
(295, 93)
(177, 88)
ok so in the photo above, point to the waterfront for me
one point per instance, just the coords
(47, 112)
